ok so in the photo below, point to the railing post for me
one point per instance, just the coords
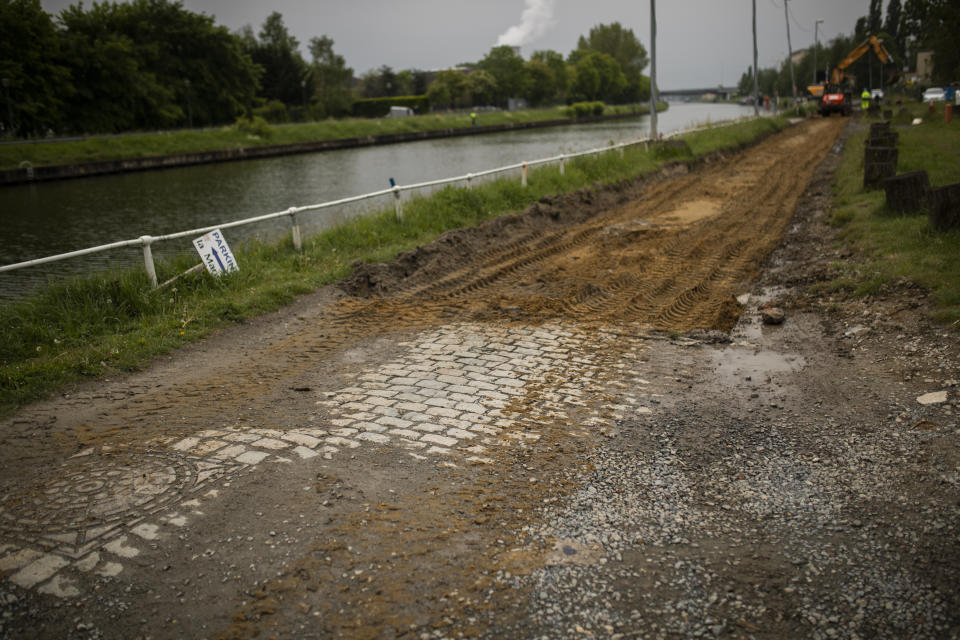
(563, 159)
(622, 151)
(397, 203)
(148, 260)
(295, 229)
(469, 180)
(523, 178)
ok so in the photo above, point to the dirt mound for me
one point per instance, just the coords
(448, 252)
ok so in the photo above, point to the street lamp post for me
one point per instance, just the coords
(793, 82)
(815, 25)
(756, 88)
(653, 69)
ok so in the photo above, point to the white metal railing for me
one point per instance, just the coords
(146, 241)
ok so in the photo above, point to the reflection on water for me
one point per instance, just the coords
(55, 217)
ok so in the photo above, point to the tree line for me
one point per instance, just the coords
(907, 28)
(153, 65)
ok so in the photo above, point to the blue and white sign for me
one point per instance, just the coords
(215, 253)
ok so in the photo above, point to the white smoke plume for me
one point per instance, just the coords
(534, 22)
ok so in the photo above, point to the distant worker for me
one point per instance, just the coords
(473, 118)
(865, 99)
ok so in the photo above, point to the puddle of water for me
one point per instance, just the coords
(750, 327)
(734, 364)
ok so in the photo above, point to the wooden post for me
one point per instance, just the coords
(878, 163)
(146, 241)
(907, 192)
(944, 205)
(397, 203)
(295, 230)
(879, 128)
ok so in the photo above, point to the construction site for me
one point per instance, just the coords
(626, 412)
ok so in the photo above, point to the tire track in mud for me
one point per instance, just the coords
(670, 260)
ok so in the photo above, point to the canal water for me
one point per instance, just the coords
(56, 217)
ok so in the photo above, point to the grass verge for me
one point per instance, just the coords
(100, 148)
(892, 247)
(109, 322)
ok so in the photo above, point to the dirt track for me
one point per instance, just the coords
(408, 456)
(669, 260)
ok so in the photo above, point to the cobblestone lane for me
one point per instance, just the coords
(454, 395)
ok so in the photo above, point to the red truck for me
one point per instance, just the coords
(835, 99)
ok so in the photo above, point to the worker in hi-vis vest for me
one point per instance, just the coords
(865, 99)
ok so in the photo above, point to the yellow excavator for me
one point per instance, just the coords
(837, 76)
(836, 97)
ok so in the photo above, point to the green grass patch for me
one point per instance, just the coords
(893, 247)
(108, 322)
(256, 132)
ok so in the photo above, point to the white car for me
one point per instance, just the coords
(876, 94)
(934, 94)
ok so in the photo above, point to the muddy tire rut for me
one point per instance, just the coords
(669, 260)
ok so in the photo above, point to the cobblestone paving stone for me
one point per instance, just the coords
(451, 396)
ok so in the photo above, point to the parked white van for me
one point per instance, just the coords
(400, 112)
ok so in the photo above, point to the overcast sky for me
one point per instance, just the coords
(700, 43)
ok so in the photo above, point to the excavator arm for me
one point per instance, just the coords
(836, 77)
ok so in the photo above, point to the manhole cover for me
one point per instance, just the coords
(94, 491)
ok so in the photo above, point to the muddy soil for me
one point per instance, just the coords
(569, 422)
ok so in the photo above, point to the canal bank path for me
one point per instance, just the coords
(568, 423)
(67, 215)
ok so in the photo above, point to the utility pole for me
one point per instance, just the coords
(793, 83)
(756, 87)
(653, 69)
(815, 25)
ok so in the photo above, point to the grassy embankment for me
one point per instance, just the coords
(100, 148)
(893, 247)
(98, 325)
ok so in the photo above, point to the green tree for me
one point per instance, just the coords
(448, 89)
(35, 82)
(202, 72)
(624, 47)
(438, 93)
(482, 87)
(508, 70)
(893, 23)
(405, 83)
(933, 25)
(597, 76)
(558, 71)
(284, 70)
(875, 17)
(541, 86)
(330, 77)
(113, 91)
(379, 83)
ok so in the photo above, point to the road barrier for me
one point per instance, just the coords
(293, 212)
